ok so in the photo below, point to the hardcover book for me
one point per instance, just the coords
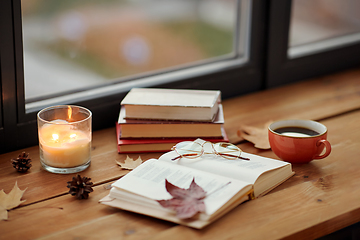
(135, 128)
(227, 182)
(172, 104)
(141, 145)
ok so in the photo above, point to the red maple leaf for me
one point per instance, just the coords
(186, 202)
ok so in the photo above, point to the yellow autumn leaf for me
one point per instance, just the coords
(258, 136)
(3, 213)
(10, 200)
(130, 163)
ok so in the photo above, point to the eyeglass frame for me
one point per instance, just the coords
(203, 151)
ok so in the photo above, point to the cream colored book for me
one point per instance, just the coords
(137, 128)
(228, 183)
(172, 104)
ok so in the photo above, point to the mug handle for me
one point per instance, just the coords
(327, 147)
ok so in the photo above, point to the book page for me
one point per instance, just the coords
(244, 170)
(148, 180)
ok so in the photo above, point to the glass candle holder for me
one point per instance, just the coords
(64, 138)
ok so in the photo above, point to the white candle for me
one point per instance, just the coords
(63, 146)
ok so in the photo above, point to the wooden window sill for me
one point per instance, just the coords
(321, 198)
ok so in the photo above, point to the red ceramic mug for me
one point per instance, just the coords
(299, 141)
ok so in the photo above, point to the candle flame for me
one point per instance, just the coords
(55, 137)
(69, 112)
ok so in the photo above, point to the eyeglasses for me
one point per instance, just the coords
(192, 150)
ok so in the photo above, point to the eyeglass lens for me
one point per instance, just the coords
(189, 149)
(227, 150)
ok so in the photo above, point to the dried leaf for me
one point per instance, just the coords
(186, 202)
(258, 136)
(10, 200)
(130, 163)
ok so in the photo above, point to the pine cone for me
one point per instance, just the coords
(22, 163)
(80, 187)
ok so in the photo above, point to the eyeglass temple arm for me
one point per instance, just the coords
(229, 155)
(193, 154)
(180, 156)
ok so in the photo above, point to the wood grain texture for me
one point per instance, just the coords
(63, 214)
(313, 99)
(322, 197)
(102, 169)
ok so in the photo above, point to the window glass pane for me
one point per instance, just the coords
(76, 44)
(324, 24)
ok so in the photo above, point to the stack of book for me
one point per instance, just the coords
(154, 120)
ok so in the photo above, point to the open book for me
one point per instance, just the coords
(230, 183)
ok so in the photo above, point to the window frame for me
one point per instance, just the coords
(19, 126)
(7, 79)
(282, 69)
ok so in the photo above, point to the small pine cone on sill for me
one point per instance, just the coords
(80, 187)
(22, 163)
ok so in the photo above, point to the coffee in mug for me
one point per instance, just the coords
(299, 141)
(296, 131)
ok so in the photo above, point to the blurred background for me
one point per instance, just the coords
(72, 45)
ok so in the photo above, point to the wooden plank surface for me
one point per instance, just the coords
(55, 217)
(103, 169)
(314, 99)
(322, 197)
